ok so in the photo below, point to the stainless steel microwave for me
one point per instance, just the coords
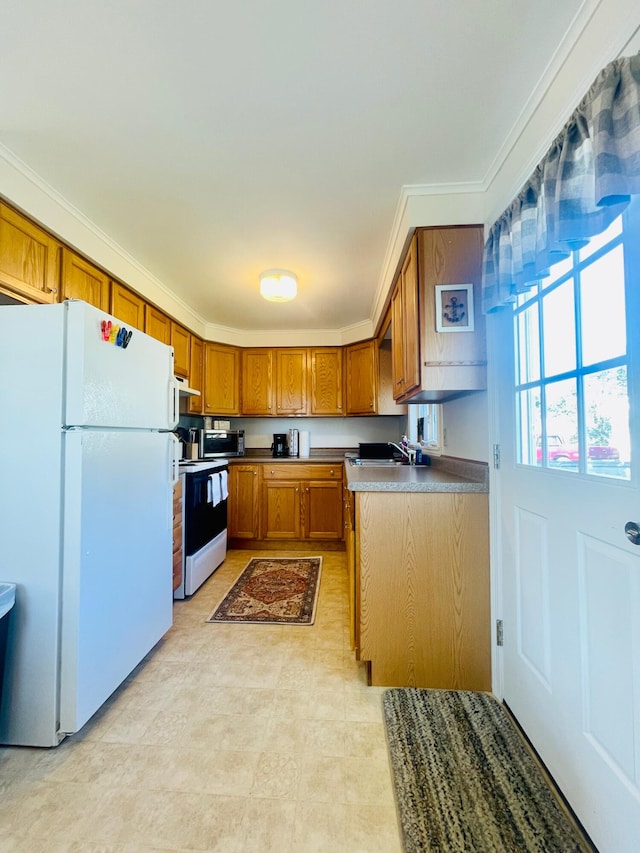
(220, 443)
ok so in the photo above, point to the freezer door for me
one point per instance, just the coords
(117, 590)
(116, 386)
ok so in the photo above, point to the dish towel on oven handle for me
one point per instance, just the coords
(214, 491)
(224, 484)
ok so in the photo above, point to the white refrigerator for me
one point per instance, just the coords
(87, 466)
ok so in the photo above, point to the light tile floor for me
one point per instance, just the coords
(226, 738)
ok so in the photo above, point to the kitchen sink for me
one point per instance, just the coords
(375, 463)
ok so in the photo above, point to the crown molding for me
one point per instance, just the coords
(41, 202)
(289, 337)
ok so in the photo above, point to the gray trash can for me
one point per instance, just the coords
(7, 600)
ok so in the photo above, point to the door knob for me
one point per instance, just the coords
(632, 529)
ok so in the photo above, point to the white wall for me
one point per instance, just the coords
(323, 432)
(466, 426)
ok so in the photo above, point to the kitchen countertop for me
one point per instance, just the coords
(443, 475)
(187, 466)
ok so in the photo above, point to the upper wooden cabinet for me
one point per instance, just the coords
(29, 259)
(196, 376)
(325, 365)
(362, 378)
(157, 324)
(291, 381)
(181, 343)
(81, 280)
(127, 306)
(257, 382)
(452, 362)
(221, 380)
(405, 327)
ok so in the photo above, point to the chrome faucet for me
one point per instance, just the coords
(406, 452)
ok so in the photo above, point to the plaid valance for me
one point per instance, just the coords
(584, 182)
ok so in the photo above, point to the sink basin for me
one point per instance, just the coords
(375, 463)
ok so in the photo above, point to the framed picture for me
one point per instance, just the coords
(454, 308)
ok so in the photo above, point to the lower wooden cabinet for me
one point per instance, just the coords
(244, 502)
(302, 501)
(422, 610)
(349, 507)
(272, 502)
(177, 534)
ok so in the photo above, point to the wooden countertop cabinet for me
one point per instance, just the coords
(422, 589)
(244, 501)
(177, 534)
(272, 503)
(302, 501)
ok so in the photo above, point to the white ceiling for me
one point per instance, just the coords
(212, 140)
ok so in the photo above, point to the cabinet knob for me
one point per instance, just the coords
(331, 472)
(272, 471)
(255, 473)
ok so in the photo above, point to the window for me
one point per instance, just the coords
(572, 361)
(425, 424)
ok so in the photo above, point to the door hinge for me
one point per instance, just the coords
(496, 456)
(499, 633)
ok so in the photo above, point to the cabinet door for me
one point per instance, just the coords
(177, 534)
(196, 375)
(426, 586)
(157, 324)
(257, 382)
(221, 393)
(405, 327)
(281, 509)
(362, 378)
(291, 381)
(29, 258)
(81, 280)
(181, 343)
(127, 306)
(397, 341)
(350, 546)
(326, 381)
(454, 361)
(322, 510)
(244, 503)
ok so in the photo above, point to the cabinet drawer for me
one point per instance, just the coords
(302, 471)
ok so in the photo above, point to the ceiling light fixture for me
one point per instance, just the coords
(278, 285)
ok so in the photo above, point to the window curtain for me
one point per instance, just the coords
(583, 183)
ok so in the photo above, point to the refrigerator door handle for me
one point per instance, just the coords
(174, 462)
(174, 403)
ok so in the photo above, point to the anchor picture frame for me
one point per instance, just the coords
(454, 307)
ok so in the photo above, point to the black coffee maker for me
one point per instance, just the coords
(280, 446)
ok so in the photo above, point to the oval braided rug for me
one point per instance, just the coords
(465, 781)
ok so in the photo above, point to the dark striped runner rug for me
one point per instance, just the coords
(465, 781)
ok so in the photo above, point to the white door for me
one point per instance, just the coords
(565, 370)
(116, 386)
(117, 595)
